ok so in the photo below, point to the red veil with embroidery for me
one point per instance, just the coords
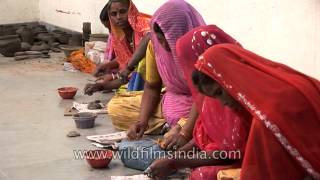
(218, 127)
(284, 140)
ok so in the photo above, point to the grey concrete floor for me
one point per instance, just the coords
(33, 129)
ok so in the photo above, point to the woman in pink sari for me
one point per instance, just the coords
(171, 21)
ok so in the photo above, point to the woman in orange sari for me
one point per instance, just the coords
(129, 39)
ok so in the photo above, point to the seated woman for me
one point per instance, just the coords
(283, 141)
(129, 31)
(171, 21)
(189, 48)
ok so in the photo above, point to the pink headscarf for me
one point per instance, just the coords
(175, 18)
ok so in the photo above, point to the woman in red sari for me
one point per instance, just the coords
(280, 104)
(222, 128)
(218, 127)
(189, 48)
(283, 142)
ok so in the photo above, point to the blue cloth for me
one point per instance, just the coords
(139, 154)
(136, 82)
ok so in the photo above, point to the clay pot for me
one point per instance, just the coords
(69, 49)
(9, 45)
(36, 48)
(57, 31)
(26, 35)
(20, 28)
(41, 36)
(19, 58)
(45, 46)
(40, 47)
(30, 55)
(25, 46)
(40, 29)
(6, 30)
(62, 37)
(98, 159)
(86, 29)
(55, 45)
(84, 120)
(31, 26)
(56, 50)
(37, 43)
(76, 39)
(67, 92)
(46, 37)
(27, 53)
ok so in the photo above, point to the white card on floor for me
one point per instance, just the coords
(112, 137)
(83, 107)
(135, 177)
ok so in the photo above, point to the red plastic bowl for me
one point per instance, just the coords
(99, 158)
(67, 92)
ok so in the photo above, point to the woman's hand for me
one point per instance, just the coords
(104, 79)
(173, 140)
(162, 168)
(137, 130)
(125, 73)
(89, 89)
(102, 69)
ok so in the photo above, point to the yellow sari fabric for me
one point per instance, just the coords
(152, 74)
(124, 110)
(124, 107)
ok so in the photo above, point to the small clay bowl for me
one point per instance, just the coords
(98, 159)
(84, 120)
(67, 49)
(67, 92)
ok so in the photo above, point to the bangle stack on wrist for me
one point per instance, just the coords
(113, 77)
(123, 79)
(182, 122)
